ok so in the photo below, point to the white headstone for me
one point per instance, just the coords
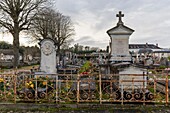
(48, 56)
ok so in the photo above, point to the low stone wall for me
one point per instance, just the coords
(6, 64)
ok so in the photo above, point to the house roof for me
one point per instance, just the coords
(139, 46)
(7, 51)
(145, 50)
(162, 51)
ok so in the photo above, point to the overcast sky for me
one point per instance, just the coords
(92, 18)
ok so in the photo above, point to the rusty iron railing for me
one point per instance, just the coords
(76, 88)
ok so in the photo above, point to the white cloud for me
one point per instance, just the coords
(149, 19)
(24, 40)
(92, 18)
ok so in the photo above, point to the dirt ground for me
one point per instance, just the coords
(73, 108)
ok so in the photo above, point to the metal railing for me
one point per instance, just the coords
(76, 88)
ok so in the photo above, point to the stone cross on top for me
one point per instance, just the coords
(120, 15)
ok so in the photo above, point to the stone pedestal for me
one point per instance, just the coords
(133, 77)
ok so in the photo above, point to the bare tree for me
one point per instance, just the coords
(51, 24)
(41, 24)
(64, 31)
(16, 16)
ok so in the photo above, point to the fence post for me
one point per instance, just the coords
(144, 88)
(56, 88)
(133, 86)
(100, 88)
(36, 96)
(78, 87)
(144, 94)
(4, 77)
(167, 91)
(14, 80)
(15, 93)
(122, 93)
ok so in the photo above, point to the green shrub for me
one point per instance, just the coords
(85, 67)
(169, 58)
(162, 67)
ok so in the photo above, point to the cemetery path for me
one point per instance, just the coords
(55, 108)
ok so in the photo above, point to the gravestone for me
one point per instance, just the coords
(119, 36)
(48, 56)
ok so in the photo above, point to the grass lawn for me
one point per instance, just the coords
(21, 68)
(29, 67)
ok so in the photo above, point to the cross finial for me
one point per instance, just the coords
(120, 15)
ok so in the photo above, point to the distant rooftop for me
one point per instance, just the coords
(162, 51)
(139, 46)
(7, 51)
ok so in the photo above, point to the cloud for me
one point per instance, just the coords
(84, 39)
(89, 41)
(92, 18)
(149, 19)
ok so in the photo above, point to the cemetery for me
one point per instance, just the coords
(118, 77)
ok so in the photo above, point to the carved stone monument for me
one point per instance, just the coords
(119, 36)
(48, 56)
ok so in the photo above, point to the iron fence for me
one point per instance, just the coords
(76, 88)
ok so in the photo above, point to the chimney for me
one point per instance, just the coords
(157, 44)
